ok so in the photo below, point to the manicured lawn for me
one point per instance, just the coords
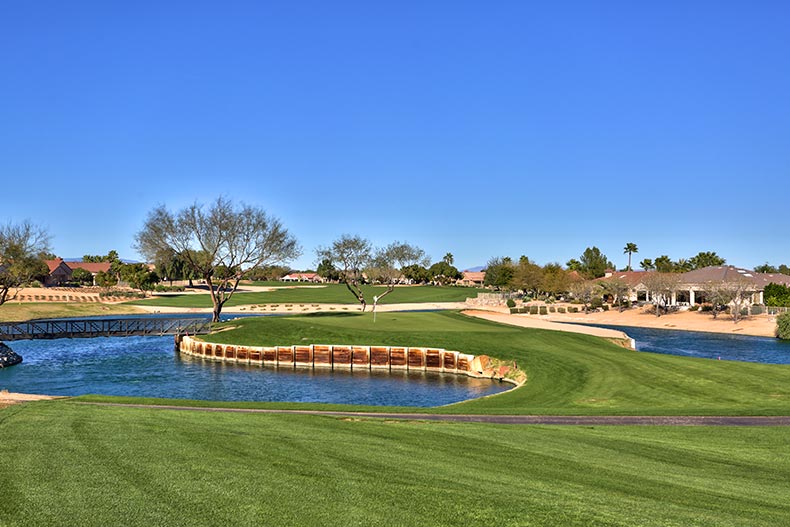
(329, 294)
(18, 311)
(70, 464)
(568, 373)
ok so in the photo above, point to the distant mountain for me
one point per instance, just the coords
(475, 269)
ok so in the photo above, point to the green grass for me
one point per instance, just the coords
(70, 464)
(20, 311)
(329, 294)
(568, 373)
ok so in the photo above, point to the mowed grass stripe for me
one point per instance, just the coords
(327, 294)
(79, 465)
(568, 373)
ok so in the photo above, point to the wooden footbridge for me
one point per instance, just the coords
(103, 327)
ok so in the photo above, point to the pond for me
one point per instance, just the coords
(149, 367)
(709, 345)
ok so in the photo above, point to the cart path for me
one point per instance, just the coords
(583, 420)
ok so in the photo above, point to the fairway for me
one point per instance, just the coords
(567, 373)
(71, 464)
(321, 294)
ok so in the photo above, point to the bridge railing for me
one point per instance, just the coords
(115, 327)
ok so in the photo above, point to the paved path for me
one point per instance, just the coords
(503, 419)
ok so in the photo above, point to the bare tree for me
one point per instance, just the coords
(617, 289)
(585, 291)
(22, 249)
(735, 294)
(219, 243)
(661, 287)
(350, 255)
(386, 266)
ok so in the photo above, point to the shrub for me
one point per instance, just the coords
(596, 302)
(757, 309)
(706, 308)
(513, 310)
(574, 309)
(533, 310)
(560, 309)
(523, 310)
(511, 303)
(783, 326)
(544, 310)
(552, 309)
(694, 308)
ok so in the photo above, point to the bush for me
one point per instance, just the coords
(706, 308)
(574, 309)
(605, 307)
(757, 309)
(694, 308)
(513, 310)
(596, 302)
(122, 294)
(523, 310)
(533, 310)
(544, 310)
(560, 309)
(783, 326)
(511, 303)
(552, 309)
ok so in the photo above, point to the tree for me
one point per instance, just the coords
(706, 259)
(416, 274)
(139, 276)
(350, 255)
(327, 271)
(663, 264)
(629, 249)
(594, 263)
(222, 235)
(617, 289)
(443, 273)
(527, 276)
(22, 246)
(106, 279)
(448, 259)
(82, 276)
(585, 291)
(171, 265)
(499, 272)
(647, 264)
(662, 286)
(556, 280)
(574, 265)
(766, 268)
(683, 266)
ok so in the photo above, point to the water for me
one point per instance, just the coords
(149, 367)
(709, 345)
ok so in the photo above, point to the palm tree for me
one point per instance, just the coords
(629, 249)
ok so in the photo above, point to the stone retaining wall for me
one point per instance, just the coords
(334, 356)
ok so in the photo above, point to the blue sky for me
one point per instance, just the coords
(478, 128)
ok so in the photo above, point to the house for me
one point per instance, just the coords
(472, 279)
(60, 271)
(302, 277)
(690, 288)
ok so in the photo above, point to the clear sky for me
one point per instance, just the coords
(478, 128)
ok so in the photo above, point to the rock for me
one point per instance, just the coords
(8, 357)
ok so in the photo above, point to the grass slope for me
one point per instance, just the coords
(329, 294)
(568, 373)
(69, 464)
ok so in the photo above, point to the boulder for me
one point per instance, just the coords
(8, 357)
